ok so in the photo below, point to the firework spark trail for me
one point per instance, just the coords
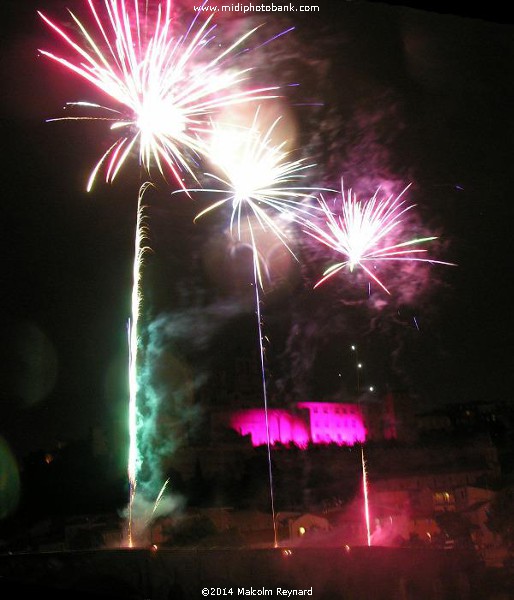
(164, 88)
(134, 458)
(159, 498)
(368, 233)
(366, 501)
(256, 175)
(264, 395)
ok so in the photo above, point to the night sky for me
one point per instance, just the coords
(409, 96)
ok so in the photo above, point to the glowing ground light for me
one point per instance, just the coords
(368, 233)
(162, 88)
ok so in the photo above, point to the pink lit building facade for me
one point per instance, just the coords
(309, 422)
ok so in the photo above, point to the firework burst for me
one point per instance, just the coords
(162, 88)
(255, 175)
(368, 233)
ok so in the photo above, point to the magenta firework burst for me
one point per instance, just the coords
(367, 233)
(161, 87)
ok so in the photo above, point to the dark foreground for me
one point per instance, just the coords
(323, 574)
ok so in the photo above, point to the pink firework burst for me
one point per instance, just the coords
(162, 88)
(366, 233)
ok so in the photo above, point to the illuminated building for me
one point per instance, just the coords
(309, 422)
